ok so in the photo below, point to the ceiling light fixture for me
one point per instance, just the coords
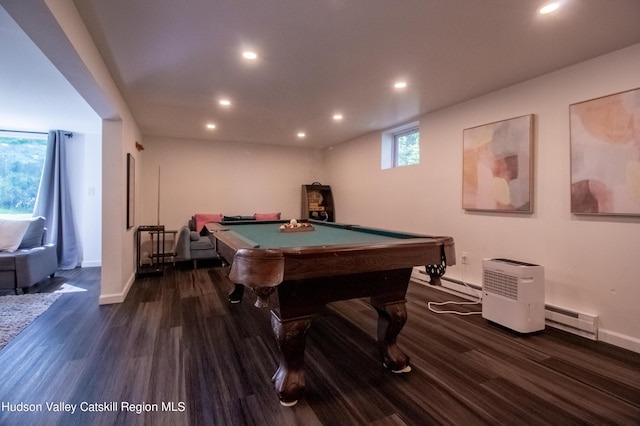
(224, 102)
(211, 126)
(337, 117)
(400, 85)
(549, 7)
(301, 134)
(250, 55)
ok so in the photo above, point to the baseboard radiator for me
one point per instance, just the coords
(585, 325)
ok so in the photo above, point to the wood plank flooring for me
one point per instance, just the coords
(176, 340)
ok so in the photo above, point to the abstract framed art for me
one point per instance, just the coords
(497, 169)
(605, 155)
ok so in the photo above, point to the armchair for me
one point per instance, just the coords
(31, 262)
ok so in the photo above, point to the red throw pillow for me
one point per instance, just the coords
(203, 218)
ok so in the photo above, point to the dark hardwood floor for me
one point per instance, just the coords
(176, 340)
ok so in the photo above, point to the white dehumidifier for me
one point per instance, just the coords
(513, 294)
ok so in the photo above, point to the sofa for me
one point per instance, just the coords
(195, 241)
(28, 262)
(192, 246)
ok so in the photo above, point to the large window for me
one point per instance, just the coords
(401, 146)
(21, 160)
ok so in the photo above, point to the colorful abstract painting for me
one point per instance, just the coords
(498, 166)
(605, 155)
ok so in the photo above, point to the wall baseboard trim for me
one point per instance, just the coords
(453, 286)
(91, 263)
(109, 299)
(620, 340)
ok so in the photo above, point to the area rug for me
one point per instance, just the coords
(17, 312)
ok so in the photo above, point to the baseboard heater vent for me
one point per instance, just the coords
(584, 325)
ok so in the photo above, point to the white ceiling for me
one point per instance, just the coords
(34, 96)
(172, 60)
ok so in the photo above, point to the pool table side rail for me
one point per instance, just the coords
(341, 260)
(256, 267)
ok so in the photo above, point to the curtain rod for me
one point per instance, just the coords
(68, 134)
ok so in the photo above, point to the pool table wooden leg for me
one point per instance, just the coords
(262, 293)
(289, 378)
(391, 319)
(236, 294)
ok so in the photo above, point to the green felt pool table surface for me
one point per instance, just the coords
(268, 235)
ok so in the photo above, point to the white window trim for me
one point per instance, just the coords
(388, 142)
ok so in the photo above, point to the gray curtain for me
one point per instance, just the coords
(54, 201)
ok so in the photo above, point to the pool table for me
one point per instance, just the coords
(307, 270)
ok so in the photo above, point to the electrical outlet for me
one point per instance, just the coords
(464, 258)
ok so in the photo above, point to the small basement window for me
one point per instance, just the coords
(401, 146)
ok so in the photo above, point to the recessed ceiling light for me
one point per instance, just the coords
(211, 126)
(400, 84)
(247, 54)
(224, 102)
(549, 7)
(301, 134)
(337, 117)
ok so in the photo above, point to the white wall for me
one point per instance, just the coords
(222, 177)
(84, 161)
(591, 263)
(92, 201)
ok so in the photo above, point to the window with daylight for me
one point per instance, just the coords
(406, 148)
(21, 161)
(401, 146)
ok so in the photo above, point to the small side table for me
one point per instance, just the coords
(168, 249)
(156, 254)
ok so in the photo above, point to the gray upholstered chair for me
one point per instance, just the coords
(32, 262)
